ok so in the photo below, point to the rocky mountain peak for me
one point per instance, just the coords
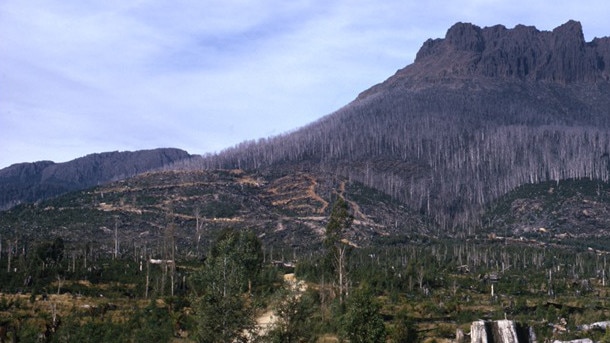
(570, 31)
(466, 37)
(524, 52)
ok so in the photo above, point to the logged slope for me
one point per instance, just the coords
(193, 206)
(480, 112)
(30, 182)
(566, 209)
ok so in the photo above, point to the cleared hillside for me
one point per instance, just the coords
(193, 207)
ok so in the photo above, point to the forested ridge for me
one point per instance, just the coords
(446, 139)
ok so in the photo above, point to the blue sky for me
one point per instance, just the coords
(78, 77)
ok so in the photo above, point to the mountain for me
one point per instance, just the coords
(523, 53)
(478, 114)
(31, 182)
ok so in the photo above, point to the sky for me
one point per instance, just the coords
(82, 76)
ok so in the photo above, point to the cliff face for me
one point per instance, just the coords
(561, 55)
(30, 182)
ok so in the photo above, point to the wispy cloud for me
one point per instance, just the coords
(78, 76)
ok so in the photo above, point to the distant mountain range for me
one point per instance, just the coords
(479, 113)
(31, 182)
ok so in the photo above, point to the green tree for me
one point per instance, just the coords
(50, 253)
(404, 329)
(74, 329)
(152, 324)
(223, 308)
(239, 255)
(337, 249)
(362, 322)
(294, 322)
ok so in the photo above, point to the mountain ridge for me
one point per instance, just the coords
(447, 136)
(561, 55)
(31, 182)
(524, 53)
(463, 125)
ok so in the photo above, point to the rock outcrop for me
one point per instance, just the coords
(561, 55)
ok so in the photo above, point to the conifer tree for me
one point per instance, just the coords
(340, 220)
(224, 312)
(362, 322)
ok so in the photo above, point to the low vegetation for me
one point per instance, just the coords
(203, 257)
(423, 289)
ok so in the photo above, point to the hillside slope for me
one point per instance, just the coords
(569, 210)
(193, 206)
(478, 113)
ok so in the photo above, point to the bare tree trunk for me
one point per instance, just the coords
(173, 265)
(323, 292)
(135, 251)
(224, 277)
(59, 282)
(116, 238)
(147, 278)
(169, 256)
(198, 227)
(164, 265)
(420, 277)
(341, 262)
(10, 254)
(604, 273)
(54, 320)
